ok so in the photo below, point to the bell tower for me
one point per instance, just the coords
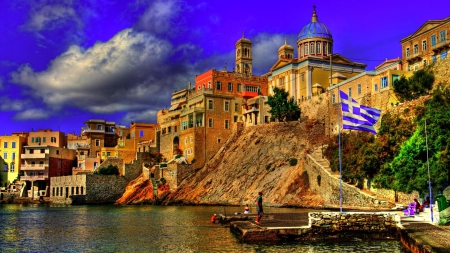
(244, 56)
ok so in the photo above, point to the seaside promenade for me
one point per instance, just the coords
(417, 234)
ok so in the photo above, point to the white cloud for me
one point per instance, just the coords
(7, 104)
(132, 71)
(47, 17)
(159, 17)
(32, 114)
(142, 116)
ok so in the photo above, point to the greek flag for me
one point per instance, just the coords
(356, 116)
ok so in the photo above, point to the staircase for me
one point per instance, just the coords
(155, 187)
(320, 159)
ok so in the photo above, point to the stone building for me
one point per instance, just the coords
(430, 43)
(200, 118)
(309, 73)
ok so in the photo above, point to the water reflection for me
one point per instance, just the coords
(59, 228)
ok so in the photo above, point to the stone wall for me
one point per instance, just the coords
(134, 169)
(112, 161)
(335, 225)
(328, 187)
(391, 195)
(87, 189)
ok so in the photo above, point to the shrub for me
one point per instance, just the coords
(193, 160)
(163, 165)
(293, 161)
(178, 156)
(162, 180)
(305, 178)
(110, 170)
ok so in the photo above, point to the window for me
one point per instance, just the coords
(384, 82)
(443, 55)
(424, 45)
(32, 140)
(192, 139)
(5, 144)
(349, 92)
(184, 125)
(416, 49)
(306, 49)
(395, 78)
(11, 167)
(218, 140)
(57, 151)
(99, 127)
(108, 154)
(333, 98)
(230, 86)
(359, 88)
(235, 118)
(281, 81)
(95, 165)
(433, 58)
(236, 107)
(442, 36)
(141, 133)
(53, 139)
(375, 87)
(5, 167)
(210, 104)
(407, 52)
(227, 124)
(103, 154)
(239, 87)
(13, 144)
(5, 155)
(311, 49)
(303, 77)
(210, 122)
(13, 155)
(318, 50)
(433, 40)
(219, 86)
(209, 85)
(175, 129)
(97, 143)
(227, 106)
(324, 48)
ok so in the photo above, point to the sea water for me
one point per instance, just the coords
(109, 228)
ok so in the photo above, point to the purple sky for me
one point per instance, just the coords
(64, 62)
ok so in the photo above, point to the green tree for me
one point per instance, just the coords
(283, 108)
(419, 84)
(110, 170)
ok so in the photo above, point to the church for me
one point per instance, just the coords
(309, 74)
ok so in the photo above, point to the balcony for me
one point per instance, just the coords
(250, 91)
(414, 57)
(186, 111)
(88, 129)
(253, 109)
(201, 91)
(35, 156)
(440, 45)
(31, 177)
(40, 167)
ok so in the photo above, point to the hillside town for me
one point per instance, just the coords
(54, 166)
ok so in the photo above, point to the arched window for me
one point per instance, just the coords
(306, 49)
(301, 50)
(318, 48)
(324, 48)
(312, 48)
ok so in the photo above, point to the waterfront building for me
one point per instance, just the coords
(200, 118)
(47, 137)
(428, 44)
(10, 152)
(309, 74)
(41, 162)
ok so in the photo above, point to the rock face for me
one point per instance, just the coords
(138, 191)
(258, 159)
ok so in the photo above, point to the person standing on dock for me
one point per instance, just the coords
(259, 208)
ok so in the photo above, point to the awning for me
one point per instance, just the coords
(173, 107)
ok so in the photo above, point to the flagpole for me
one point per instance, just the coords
(340, 155)
(429, 178)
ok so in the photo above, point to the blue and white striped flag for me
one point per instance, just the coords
(356, 116)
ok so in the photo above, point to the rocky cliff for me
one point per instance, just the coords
(267, 158)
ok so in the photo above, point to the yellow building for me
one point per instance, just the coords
(373, 88)
(428, 44)
(10, 151)
(309, 73)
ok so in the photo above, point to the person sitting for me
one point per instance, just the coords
(213, 218)
(417, 206)
(425, 204)
(246, 209)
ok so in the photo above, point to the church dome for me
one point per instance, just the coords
(286, 46)
(315, 29)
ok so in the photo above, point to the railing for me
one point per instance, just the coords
(201, 91)
(38, 155)
(185, 111)
(34, 177)
(440, 44)
(253, 109)
(34, 167)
